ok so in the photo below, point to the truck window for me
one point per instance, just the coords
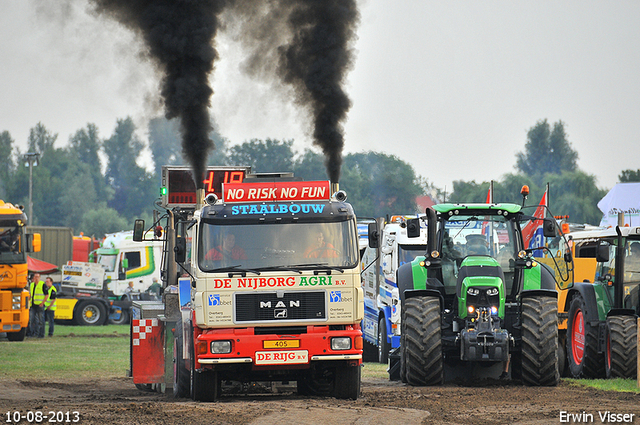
(275, 245)
(133, 258)
(11, 249)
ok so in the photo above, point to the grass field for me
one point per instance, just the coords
(103, 352)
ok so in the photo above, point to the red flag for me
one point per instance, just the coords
(530, 230)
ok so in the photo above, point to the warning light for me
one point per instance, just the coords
(163, 191)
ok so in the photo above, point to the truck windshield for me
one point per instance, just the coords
(108, 261)
(276, 246)
(11, 248)
(478, 235)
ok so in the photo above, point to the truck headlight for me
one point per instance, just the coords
(16, 302)
(221, 347)
(341, 343)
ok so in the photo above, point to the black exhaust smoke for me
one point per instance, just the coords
(179, 35)
(307, 46)
(306, 43)
(315, 64)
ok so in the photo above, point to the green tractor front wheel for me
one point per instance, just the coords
(422, 354)
(540, 341)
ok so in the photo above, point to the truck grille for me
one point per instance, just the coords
(290, 306)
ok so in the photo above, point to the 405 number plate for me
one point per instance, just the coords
(282, 343)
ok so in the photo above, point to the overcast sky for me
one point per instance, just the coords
(451, 87)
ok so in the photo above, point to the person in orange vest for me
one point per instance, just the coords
(50, 303)
(36, 313)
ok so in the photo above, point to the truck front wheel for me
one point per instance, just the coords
(540, 341)
(620, 354)
(423, 363)
(17, 336)
(347, 382)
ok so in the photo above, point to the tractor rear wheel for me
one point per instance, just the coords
(422, 356)
(582, 344)
(540, 341)
(620, 354)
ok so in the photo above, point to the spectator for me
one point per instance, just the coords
(129, 288)
(50, 303)
(154, 288)
(36, 313)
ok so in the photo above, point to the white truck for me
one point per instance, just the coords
(381, 324)
(96, 293)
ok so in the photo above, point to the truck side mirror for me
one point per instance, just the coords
(33, 242)
(602, 253)
(138, 230)
(374, 235)
(549, 227)
(413, 228)
(180, 249)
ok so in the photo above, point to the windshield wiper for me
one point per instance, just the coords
(233, 270)
(323, 266)
(287, 268)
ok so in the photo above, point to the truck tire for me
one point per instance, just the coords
(205, 385)
(124, 319)
(369, 352)
(89, 313)
(181, 377)
(621, 350)
(317, 381)
(383, 344)
(403, 363)
(582, 344)
(540, 341)
(423, 352)
(17, 336)
(347, 382)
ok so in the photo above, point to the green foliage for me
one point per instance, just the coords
(627, 176)
(266, 156)
(381, 184)
(6, 161)
(134, 188)
(103, 220)
(546, 151)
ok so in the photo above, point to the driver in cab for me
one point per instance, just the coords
(319, 248)
(228, 250)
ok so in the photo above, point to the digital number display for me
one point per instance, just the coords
(181, 189)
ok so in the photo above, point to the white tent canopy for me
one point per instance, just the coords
(623, 198)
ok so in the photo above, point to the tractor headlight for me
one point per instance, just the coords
(341, 343)
(221, 347)
(471, 309)
(492, 292)
(473, 291)
(494, 310)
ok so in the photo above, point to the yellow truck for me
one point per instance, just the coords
(14, 294)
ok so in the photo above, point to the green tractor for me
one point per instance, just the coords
(478, 296)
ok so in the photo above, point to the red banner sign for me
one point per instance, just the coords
(276, 191)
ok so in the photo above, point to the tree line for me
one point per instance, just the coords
(99, 185)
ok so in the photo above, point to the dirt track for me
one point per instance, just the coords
(117, 401)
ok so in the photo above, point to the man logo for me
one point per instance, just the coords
(214, 299)
(280, 313)
(336, 296)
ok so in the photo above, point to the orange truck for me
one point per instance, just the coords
(15, 242)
